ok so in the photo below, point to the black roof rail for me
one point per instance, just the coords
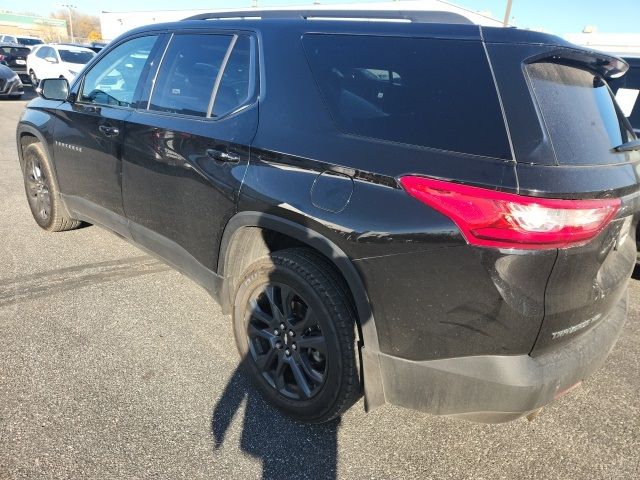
(416, 16)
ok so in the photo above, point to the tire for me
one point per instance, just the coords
(34, 79)
(42, 191)
(317, 348)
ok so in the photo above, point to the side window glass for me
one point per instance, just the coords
(186, 78)
(234, 89)
(42, 52)
(113, 80)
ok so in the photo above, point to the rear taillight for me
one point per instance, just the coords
(496, 219)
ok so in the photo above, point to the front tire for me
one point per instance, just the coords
(294, 326)
(34, 79)
(42, 191)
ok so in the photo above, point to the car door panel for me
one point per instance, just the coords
(91, 126)
(173, 187)
(88, 159)
(185, 155)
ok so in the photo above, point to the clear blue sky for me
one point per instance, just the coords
(555, 16)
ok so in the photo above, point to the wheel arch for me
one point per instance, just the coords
(243, 238)
(26, 135)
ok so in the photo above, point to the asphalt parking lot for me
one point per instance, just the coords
(112, 366)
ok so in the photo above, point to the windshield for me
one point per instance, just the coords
(75, 56)
(29, 41)
(580, 113)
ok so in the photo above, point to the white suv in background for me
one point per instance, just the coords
(57, 61)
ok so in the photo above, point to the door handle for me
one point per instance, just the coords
(109, 131)
(88, 108)
(223, 156)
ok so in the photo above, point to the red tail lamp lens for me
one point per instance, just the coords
(496, 219)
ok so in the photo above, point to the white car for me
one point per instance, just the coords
(57, 61)
(21, 39)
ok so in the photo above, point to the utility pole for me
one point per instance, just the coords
(507, 14)
(69, 7)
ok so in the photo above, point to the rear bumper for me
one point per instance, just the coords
(495, 388)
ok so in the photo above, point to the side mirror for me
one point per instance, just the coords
(51, 59)
(53, 89)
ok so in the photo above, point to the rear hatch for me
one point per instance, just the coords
(565, 126)
(16, 57)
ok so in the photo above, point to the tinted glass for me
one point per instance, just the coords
(427, 92)
(630, 81)
(188, 72)
(15, 51)
(633, 82)
(234, 87)
(75, 56)
(113, 80)
(29, 41)
(579, 112)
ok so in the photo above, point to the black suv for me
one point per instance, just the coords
(440, 213)
(15, 57)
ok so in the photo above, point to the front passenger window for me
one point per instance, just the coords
(113, 80)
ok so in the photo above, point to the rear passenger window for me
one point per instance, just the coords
(420, 91)
(190, 80)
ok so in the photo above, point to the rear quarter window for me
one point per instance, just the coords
(427, 92)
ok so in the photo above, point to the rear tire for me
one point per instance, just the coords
(42, 191)
(308, 369)
(34, 79)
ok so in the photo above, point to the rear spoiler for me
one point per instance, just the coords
(609, 66)
(559, 50)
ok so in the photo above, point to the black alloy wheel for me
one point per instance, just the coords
(38, 189)
(286, 341)
(294, 325)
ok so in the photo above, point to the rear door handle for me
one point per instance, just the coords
(223, 156)
(109, 131)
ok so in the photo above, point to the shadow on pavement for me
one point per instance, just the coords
(286, 448)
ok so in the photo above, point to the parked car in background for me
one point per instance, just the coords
(402, 207)
(15, 57)
(21, 40)
(57, 61)
(10, 84)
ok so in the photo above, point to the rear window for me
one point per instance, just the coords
(630, 82)
(75, 56)
(580, 114)
(420, 91)
(29, 41)
(15, 51)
